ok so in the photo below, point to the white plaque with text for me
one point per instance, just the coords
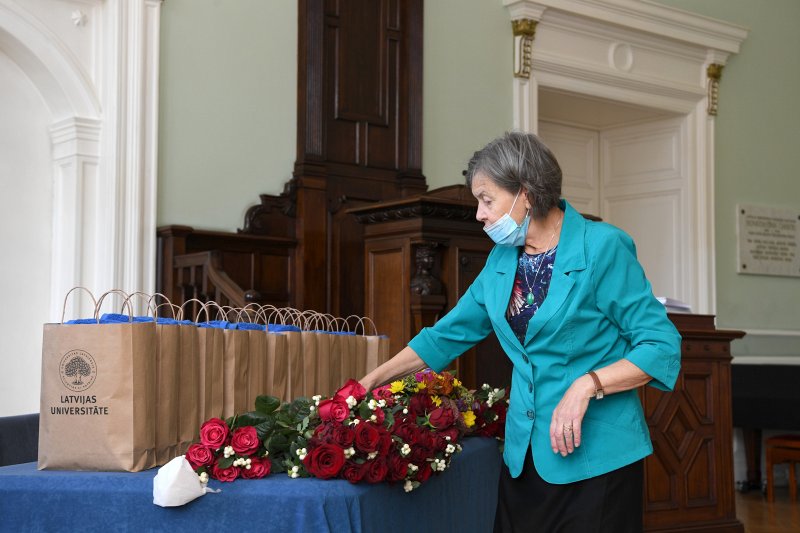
(769, 240)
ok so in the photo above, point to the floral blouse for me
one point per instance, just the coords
(530, 289)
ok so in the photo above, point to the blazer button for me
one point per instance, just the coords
(525, 358)
(530, 387)
(530, 414)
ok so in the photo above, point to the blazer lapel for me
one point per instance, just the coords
(498, 296)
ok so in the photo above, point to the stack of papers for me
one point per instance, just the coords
(673, 305)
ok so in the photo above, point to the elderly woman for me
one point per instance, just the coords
(575, 314)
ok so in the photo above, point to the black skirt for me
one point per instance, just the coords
(609, 503)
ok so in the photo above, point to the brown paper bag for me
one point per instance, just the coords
(278, 366)
(190, 408)
(348, 342)
(97, 397)
(236, 360)
(256, 366)
(210, 345)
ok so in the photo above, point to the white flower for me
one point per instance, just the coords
(266, 453)
(447, 438)
(485, 386)
(372, 404)
(312, 408)
(248, 467)
(349, 452)
(450, 448)
(316, 397)
(356, 421)
(372, 455)
(405, 411)
(405, 450)
(228, 451)
(373, 418)
(381, 403)
(351, 401)
(407, 486)
(295, 469)
(412, 467)
(294, 475)
(459, 448)
(301, 453)
(203, 478)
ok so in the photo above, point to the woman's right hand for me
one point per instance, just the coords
(404, 362)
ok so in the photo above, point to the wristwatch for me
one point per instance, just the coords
(598, 387)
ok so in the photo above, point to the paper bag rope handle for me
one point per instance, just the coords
(125, 302)
(64, 308)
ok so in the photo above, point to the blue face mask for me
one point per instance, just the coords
(506, 232)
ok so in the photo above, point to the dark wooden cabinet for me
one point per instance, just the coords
(689, 482)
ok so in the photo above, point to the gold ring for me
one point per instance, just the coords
(567, 428)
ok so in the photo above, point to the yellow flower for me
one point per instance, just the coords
(436, 400)
(469, 418)
(456, 383)
(421, 385)
(396, 386)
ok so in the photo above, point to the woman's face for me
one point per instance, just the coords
(494, 201)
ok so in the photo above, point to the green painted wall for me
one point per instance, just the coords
(467, 85)
(228, 102)
(757, 160)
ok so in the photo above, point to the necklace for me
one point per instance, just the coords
(544, 255)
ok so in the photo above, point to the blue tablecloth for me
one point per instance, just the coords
(463, 499)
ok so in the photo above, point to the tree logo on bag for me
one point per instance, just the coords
(78, 370)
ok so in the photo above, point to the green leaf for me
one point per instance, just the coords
(389, 419)
(225, 462)
(276, 467)
(265, 428)
(267, 404)
(277, 443)
(364, 411)
(253, 418)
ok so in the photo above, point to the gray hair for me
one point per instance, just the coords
(520, 160)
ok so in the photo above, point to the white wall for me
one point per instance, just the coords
(25, 236)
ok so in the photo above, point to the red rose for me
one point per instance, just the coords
(352, 388)
(367, 437)
(343, 435)
(353, 472)
(214, 433)
(380, 416)
(424, 472)
(442, 418)
(335, 409)
(451, 432)
(199, 455)
(406, 431)
(324, 461)
(398, 468)
(385, 443)
(419, 404)
(420, 454)
(245, 440)
(224, 474)
(384, 393)
(377, 470)
(426, 439)
(324, 431)
(258, 468)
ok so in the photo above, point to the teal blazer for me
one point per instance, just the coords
(599, 309)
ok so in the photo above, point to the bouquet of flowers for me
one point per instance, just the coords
(402, 432)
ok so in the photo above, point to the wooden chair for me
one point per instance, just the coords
(782, 449)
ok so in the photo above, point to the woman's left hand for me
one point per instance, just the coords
(565, 426)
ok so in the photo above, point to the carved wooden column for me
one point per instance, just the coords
(427, 299)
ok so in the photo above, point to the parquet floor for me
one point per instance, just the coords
(759, 516)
